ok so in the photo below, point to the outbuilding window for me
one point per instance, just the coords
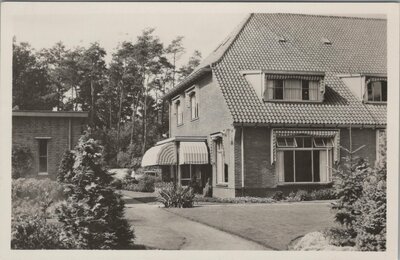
(43, 156)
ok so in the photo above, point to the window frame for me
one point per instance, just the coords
(370, 84)
(219, 148)
(329, 154)
(46, 141)
(194, 95)
(284, 89)
(178, 107)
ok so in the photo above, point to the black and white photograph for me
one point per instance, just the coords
(151, 127)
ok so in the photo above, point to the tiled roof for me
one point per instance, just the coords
(358, 46)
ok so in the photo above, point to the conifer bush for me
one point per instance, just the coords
(92, 217)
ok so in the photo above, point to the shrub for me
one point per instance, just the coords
(34, 232)
(124, 159)
(21, 159)
(144, 184)
(237, 200)
(93, 215)
(323, 194)
(32, 196)
(302, 195)
(278, 196)
(116, 183)
(176, 196)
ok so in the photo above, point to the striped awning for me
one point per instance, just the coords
(164, 154)
(193, 153)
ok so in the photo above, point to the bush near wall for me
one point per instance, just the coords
(21, 159)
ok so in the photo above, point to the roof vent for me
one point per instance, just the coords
(326, 41)
(282, 39)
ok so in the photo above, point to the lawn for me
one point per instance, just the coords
(273, 225)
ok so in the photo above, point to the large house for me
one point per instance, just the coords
(277, 104)
(48, 135)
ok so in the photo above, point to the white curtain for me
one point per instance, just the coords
(323, 166)
(292, 89)
(313, 87)
(280, 166)
(269, 91)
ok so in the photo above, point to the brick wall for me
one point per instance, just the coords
(25, 130)
(214, 116)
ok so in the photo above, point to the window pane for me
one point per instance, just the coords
(376, 91)
(42, 164)
(313, 87)
(42, 147)
(316, 165)
(307, 142)
(290, 142)
(288, 161)
(193, 105)
(278, 89)
(305, 90)
(281, 142)
(226, 173)
(303, 166)
(384, 91)
(185, 171)
(299, 141)
(370, 92)
(292, 89)
(319, 142)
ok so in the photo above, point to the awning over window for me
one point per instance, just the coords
(335, 134)
(164, 154)
(193, 153)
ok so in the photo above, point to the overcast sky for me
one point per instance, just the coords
(200, 31)
(203, 27)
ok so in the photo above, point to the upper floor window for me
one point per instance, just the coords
(179, 114)
(292, 90)
(194, 107)
(377, 91)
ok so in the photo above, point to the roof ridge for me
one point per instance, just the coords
(329, 16)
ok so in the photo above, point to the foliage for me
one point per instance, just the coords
(35, 232)
(32, 196)
(361, 208)
(237, 200)
(144, 184)
(92, 216)
(278, 196)
(176, 196)
(30, 81)
(207, 191)
(21, 159)
(323, 194)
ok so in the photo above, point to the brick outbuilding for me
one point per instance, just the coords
(48, 135)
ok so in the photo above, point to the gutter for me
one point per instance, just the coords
(242, 157)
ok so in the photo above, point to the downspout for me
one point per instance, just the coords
(69, 134)
(242, 158)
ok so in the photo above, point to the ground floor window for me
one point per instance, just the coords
(190, 173)
(304, 159)
(221, 166)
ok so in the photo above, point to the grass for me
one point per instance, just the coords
(272, 225)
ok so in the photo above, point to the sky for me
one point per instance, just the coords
(44, 30)
(78, 24)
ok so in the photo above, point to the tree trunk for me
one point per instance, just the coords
(92, 96)
(135, 105)
(119, 113)
(144, 137)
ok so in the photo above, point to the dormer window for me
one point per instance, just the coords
(292, 88)
(376, 90)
